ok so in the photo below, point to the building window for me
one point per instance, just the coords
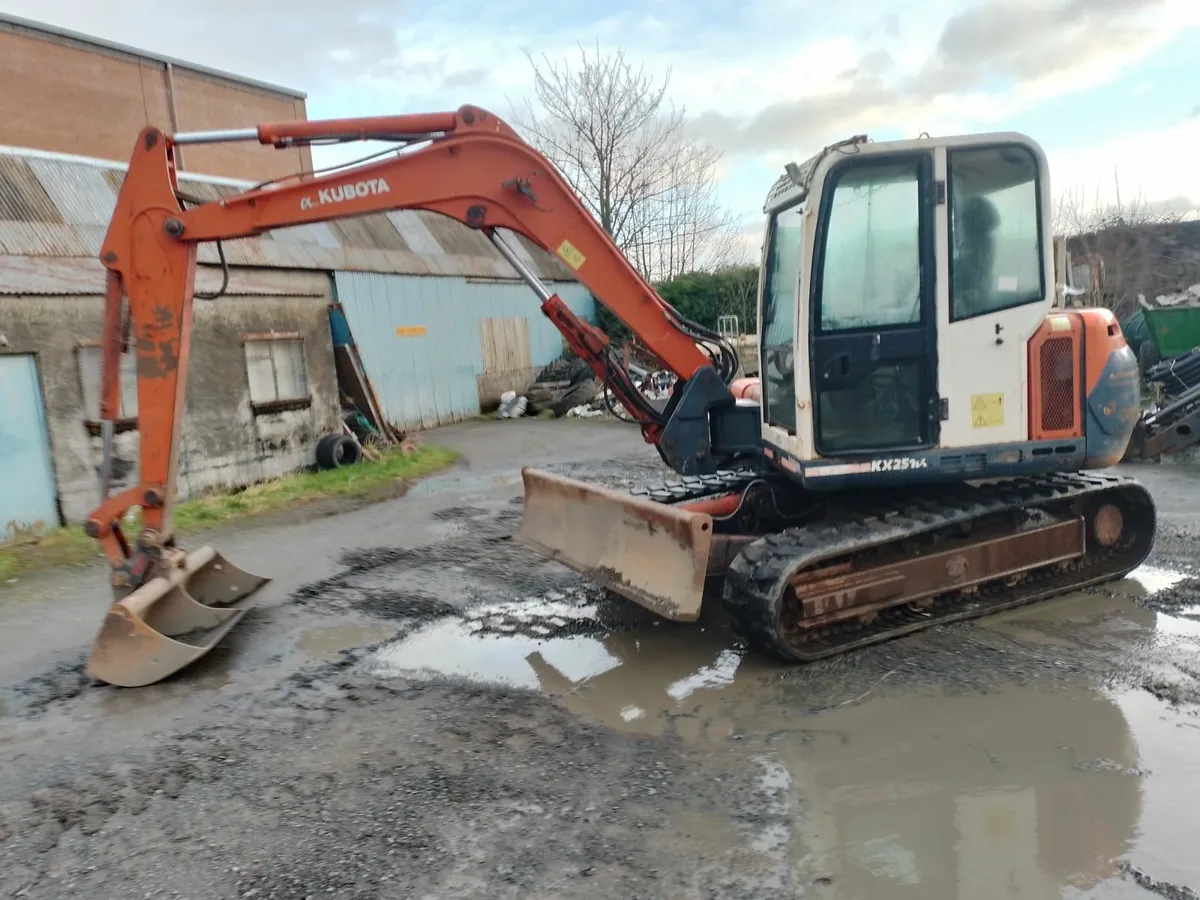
(276, 372)
(89, 358)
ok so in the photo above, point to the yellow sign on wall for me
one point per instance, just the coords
(410, 330)
(987, 410)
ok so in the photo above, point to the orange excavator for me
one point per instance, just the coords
(922, 445)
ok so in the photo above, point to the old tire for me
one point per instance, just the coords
(582, 393)
(1148, 356)
(337, 450)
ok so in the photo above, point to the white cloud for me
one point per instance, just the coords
(767, 80)
(1153, 166)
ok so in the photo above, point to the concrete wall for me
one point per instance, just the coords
(70, 97)
(225, 441)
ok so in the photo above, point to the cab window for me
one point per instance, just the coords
(780, 286)
(995, 231)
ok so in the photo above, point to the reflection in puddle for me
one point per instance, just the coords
(1016, 791)
(952, 796)
(1153, 579)
(1110, 614)
(486, 480)
(1182, 625)
(646, 681)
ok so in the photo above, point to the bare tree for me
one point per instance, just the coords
(608, 128)
(1123, 248)
(738, 295)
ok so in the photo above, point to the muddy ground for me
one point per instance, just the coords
(420, 708)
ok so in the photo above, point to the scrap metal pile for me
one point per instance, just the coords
(568, 388)
(1174, 424)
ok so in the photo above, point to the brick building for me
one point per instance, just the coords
(71, 93)
(422, 305)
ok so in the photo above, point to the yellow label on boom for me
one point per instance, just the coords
(571, 256)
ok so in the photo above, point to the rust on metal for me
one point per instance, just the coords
(252, 336)
(171, 620)
(720, 505)
(725, 548)
(651, 553)
(837, 593)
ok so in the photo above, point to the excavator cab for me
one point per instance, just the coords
(906, 339)
(906, 277)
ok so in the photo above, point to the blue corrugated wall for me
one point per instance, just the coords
(28, 499)
(428, 378)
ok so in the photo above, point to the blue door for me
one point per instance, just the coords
(27, 499)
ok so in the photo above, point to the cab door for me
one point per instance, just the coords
(999, 289)
(872, 307)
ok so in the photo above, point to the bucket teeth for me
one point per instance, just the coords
(171, 621)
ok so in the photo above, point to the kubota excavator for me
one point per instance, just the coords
(921, 447)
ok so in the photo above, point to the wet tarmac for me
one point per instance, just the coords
(398, 709)
(1046, 788)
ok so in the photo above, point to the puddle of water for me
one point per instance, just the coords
(1175, 629)
(1153, 579)
(326, 643)
(1168, 745)
(1182, 626)
(487, 480)
(1123, 622)
(1020, 791)
(936, 796)
(637, 681)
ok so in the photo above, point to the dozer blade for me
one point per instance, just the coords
(647, 552)
(171, 621)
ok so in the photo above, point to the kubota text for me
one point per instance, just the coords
(344, 192)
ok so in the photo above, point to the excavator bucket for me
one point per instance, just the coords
(653, 554)
(171, 621)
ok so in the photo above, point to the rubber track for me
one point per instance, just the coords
(758, 577)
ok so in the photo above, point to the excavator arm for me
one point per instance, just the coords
(468, 165)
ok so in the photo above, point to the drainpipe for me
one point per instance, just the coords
(175, 129)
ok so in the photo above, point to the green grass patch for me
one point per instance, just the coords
(68, 546)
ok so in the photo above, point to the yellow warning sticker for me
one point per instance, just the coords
(570, 255)
(410, 330)
(987, 410)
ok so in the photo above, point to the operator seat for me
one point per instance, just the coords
(973, 283)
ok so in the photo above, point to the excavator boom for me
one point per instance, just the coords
(912, 454)
(468, 165)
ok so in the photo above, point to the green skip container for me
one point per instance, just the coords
(1161, 330)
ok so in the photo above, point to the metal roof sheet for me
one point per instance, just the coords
(82, 195)
(56, 205)
(22, 197)
(30, 276)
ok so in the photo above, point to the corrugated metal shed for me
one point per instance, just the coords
(419, 338)
(32, 276)
(58, 206)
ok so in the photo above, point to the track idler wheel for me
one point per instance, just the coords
(1105, 525)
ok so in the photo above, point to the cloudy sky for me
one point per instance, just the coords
(1106, 85)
